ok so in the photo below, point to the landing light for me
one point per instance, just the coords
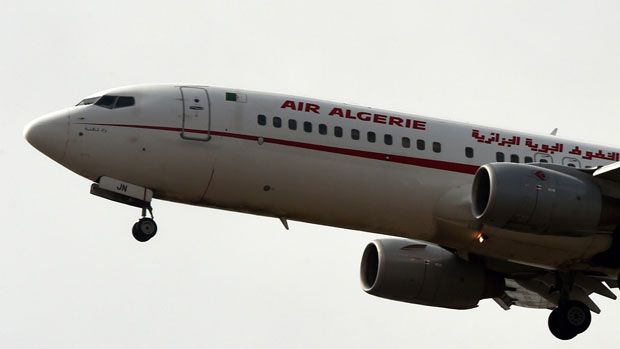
(481, 237)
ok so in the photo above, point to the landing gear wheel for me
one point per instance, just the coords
(569, 319)
(144, 229)
(558, 327)
(578, 315)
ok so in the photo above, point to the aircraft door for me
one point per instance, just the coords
(196, 124)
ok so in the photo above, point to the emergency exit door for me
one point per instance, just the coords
(196, 124)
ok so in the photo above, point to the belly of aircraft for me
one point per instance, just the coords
(362, 194)
(328, 189)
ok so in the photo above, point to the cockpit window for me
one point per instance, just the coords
(123, 102)
(109, 101)
(88, 101)
(106, 101)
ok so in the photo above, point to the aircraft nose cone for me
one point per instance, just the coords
(49, 134)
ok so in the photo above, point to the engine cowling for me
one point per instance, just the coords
(536, 199)
(412, 272)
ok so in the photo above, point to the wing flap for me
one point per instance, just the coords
(540, 292)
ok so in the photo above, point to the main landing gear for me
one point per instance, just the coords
(144, 229)
(569, 319)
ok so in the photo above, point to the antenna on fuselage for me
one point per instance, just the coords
(284, 222)
(554, 132)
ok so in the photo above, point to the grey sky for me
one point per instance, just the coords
(71, 275)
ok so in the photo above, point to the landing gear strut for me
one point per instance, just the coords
(569, 319)
(144, 229)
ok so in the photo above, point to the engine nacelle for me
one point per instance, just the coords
(412, 272)
(536, 199)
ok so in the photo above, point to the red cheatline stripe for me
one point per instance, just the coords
(436, 164)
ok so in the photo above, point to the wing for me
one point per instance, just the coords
(540, 291)
(610, 172)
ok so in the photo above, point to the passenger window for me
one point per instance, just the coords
(323, 129)
(123, 102)
(570, 164)
(338, 131)
(469, 152)
(437, 147)
(262, 120)
(387, 139)
(292, 124)
(514, 158)
(544, 161)
(406, 142)
(420, 144)
(499, 156)
(106, 101)
(528, 159)
(307, 126)
(355, 134)
(372, 137)
(277, 122)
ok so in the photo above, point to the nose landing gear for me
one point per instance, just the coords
(132, 195)
(144, 229)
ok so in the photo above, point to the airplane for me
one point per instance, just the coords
(470, 212)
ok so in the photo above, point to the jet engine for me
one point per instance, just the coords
(538, 199)
(412, 272)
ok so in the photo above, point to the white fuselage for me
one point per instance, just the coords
(298, 159)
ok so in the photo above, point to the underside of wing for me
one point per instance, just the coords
(541, 291)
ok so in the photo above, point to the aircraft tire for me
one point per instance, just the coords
(144, 229)
(578, 315)
(570, 319)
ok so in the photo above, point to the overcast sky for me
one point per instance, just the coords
(71, 275)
